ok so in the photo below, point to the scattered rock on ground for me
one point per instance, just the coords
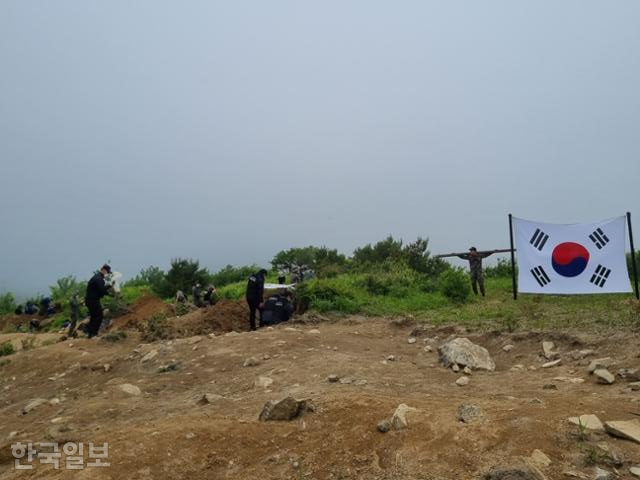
(384, 426)
(554, 363)
(599, 363)
(601, 474)
(149, 356)
(589, 421)
(428, 348)
(635, 471)
(508, 348)
(263, 382)
(130, 389)
(399, 418)
(540, 459)
(286, 409)
(604, 376)
(549, 386)
(467, 413)
(210, 398)
(549, 350)
(411, 340)
(462, 381)
(33, 404)
(333, 378)
(520, 472)
(251, 362)
(627, 429)
(629, 374)
(462, 351)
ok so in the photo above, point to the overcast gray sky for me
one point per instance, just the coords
(226, 131)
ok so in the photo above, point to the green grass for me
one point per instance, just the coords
(6, 348)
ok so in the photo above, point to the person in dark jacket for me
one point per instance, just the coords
(277, 309)
(255, 293)
(96, 289)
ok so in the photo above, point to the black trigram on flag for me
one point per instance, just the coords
(600, 276)
(540, 275)
(599, 238)
(539, 239)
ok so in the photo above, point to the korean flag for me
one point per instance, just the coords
(576, 258)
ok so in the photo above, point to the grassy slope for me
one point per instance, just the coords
(497, 310)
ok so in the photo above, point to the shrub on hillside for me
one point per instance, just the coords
(325, 296)
(454, 284)
(183, 275)
(231, 274)
(499, 270)
(7, 303)
(6, 348)
(155, 328)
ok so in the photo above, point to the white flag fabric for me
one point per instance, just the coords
(576, 258)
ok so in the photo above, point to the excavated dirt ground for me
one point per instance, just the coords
(166, 433)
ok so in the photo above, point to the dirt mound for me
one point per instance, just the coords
(140, 311)
(224, 316)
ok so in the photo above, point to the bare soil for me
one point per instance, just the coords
(167, 432)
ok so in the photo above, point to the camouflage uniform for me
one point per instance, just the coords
(475, 269)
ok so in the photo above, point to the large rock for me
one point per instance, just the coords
(461, 351)
(629, 429)
(540, 459)
(286, 409)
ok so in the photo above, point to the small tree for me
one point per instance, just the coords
(231, 274)
(183, 275)
(65, 287)
(152, 276)
(7, 303)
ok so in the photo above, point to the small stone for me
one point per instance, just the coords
(599, 363)
(466, 371)
(251, 362)
(333, 378)
(314, 331)
(412, 340)
(549, 386)
(33, 404)
(468, 413)
(589, 421)
(604, 376)
(286, 409)
(360, 382)
(399, 419)
(208, 398)
(54, 401)
(384, 426)
(391, 358)
(508, 348)
(346, 380)
(601, 474)
(540, 459)
(190, 435)
(106, 367)
(455, 368)
(629, 374)
(212, 335)
(549, 350)
(428, 348)
(130, 389)
(263, 382)
(635, 471)
(12, 435)
(462, 381)
(554, 363)
(149, 356)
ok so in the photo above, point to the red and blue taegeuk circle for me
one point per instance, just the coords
(569, 259)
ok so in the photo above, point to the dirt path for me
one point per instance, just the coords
(166, 433)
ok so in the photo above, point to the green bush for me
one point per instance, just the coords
(7, 303)
(231, 274)
(454, 284)
(183, 275)
(6, 348)
(500, 270)
(155, 328)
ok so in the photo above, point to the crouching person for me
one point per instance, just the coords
(277, 309)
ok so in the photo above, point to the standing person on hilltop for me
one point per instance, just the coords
(195, 292)
(96, 289)
(255, 293)
(475, 268)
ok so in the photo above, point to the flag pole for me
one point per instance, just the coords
(513, 261)
(633, 256)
